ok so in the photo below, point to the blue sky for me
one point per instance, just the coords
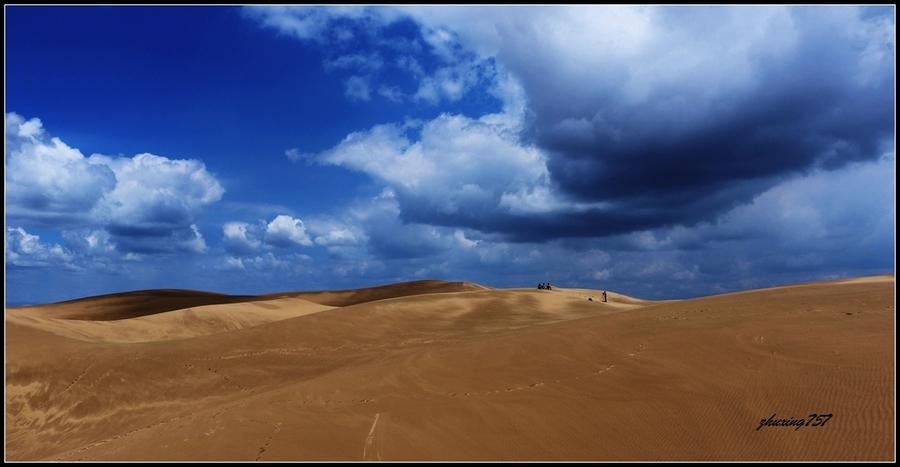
(658, 151)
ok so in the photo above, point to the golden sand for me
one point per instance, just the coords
(454, 371)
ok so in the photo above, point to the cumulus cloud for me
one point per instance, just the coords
(26, 250)
(47, 181)
(155, 195)
(448, 170)
(245, 240)
(240, 238)
(147, 203)
(285, 231)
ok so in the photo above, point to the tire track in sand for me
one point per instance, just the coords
(370, 440)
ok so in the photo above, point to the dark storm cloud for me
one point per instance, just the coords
(657, 117)
(652, 209)
(684, 153)
(781, 128)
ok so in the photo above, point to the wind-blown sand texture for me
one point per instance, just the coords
(454, 371)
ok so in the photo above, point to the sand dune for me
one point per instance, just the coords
(176, 324)
(403, 289)
(133, 304)
(455, 371)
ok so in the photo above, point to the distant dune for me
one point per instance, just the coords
(128, 305)
(435, 370)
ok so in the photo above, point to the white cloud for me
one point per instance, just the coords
(154, 192)
(26, 250)
(195, 244)
(456, 165)
(245, 240)
(147, 202)
(48, 181)
(337, 237)
(564, 44)
(238, 239)
(232, 262)
(286, 231)
(450, 83)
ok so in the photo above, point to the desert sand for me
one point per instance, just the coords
(434, 370)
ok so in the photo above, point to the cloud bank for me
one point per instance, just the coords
(631, 117)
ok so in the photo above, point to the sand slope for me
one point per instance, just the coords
(168, 325)
(463, 374)
(132, 304)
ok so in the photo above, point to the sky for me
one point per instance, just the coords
(662, 152)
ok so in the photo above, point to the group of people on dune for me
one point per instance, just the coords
(547, 286)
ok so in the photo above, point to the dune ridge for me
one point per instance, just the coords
(382, 292)
(456, 371)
